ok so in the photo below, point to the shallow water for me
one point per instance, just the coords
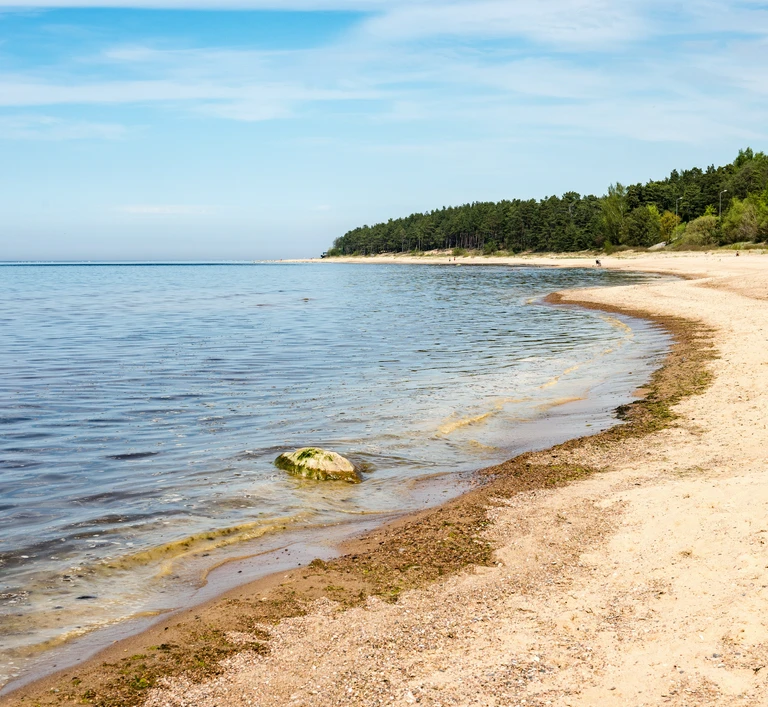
(141, 408)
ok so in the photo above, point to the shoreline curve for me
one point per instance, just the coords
(392, 559)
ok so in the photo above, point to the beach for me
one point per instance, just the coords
(630, 567)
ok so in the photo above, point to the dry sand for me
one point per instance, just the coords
(643, 585)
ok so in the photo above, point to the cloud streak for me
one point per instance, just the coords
(281, 5)
(164, 210)
(27, 93)
(590, 66)
(588, 24)
(43, 127)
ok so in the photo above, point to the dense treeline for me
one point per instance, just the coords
(693, 208)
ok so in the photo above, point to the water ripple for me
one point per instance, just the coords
(141, 408)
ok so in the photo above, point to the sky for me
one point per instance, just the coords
(252, 129)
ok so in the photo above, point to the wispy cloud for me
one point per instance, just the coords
(287, 5)
(592, 66)
(42, 127)
(167, 210)
(589, 24)
(232, 98)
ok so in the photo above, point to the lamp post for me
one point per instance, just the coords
(677, 201)
(720, 214)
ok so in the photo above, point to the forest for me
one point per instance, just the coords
(691, 209)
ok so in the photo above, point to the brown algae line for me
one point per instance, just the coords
(616, 323)
(34, 649)
(559, 402)
(408, 553)
(191, 545)
(452, 425)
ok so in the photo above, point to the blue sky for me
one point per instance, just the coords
(248, 129)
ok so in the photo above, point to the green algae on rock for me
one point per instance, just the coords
(318, 464)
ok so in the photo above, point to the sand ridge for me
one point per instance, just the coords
(642, 585)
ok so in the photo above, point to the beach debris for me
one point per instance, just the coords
(318, 464)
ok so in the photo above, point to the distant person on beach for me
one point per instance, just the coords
(597, 262)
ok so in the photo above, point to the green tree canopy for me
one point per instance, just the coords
(638, 215)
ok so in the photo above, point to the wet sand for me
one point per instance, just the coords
(626, 568)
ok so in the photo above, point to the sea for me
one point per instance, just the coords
(142, 407)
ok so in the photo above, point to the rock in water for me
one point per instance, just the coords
(318, 464)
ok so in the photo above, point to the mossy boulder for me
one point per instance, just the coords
(318, 464)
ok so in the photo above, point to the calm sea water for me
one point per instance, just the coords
(141, 408)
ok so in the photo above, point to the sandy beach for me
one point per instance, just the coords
(630, 568)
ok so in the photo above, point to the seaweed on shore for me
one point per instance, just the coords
(407, 554)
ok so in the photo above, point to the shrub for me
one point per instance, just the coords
(703, 231)
(668, 222)
(746, 220)
(642, 227)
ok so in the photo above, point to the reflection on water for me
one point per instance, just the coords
(141, 409)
